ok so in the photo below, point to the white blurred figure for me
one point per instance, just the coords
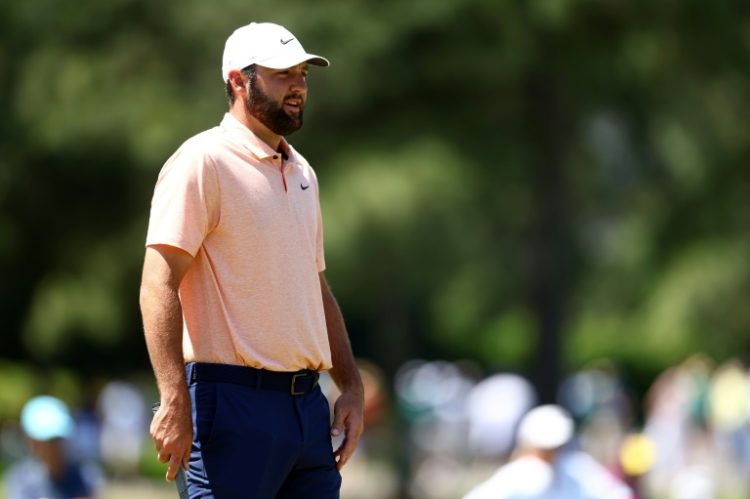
(124, 426)
(542, 469)
(494, 407)
(728, 416)
(674, 407)
(50, 471)
(692, 482)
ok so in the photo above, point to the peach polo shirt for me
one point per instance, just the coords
(252, 222)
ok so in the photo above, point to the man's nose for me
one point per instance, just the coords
(299, 84)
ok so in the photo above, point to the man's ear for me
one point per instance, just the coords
(236, 80)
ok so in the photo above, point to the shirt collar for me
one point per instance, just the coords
(244, 136)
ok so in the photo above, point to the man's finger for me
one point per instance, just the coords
(174, 466)
(346, 449)
(186, 461)
(338, 423)
(344, 453)
(340, 448)
(163, 458)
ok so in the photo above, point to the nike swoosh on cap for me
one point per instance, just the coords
(284, 42)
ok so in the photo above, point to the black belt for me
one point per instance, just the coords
(293, 383)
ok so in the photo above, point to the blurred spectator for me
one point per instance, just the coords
(432, 397)
(675, 424)
(84, 443)
(728, 411)
(543, 469)
(125, 418)
(492, 423)
(598, 401)
(637, 456)
(49, 472)
(369, 474)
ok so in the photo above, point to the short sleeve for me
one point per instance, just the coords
(320, 261)
(185, 205)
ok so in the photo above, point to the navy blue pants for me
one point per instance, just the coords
(255, 440)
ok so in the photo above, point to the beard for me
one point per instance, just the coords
(270, 113)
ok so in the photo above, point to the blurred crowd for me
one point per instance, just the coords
(687, 437)
(57, 451)
(445, 430)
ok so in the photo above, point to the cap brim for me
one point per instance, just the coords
(283, 62)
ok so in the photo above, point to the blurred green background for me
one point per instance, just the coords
(528, 184)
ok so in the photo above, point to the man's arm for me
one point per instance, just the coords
(348, 409)
(171, 428)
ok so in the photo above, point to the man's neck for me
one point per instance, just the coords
(259, 129)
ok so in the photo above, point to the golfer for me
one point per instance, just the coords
(239, 319)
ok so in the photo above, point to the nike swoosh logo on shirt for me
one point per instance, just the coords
(283, 42)
(304, 186)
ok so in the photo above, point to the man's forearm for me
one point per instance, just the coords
(344, 372)
(348, 411)
(162, 322)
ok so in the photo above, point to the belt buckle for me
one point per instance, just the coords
(292, 390)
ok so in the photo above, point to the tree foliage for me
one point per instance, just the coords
(502, 181)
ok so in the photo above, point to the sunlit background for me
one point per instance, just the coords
(524, 201)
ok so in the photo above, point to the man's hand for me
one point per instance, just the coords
(172, 432)
(347, 418)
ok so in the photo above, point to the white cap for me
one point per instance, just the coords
(265, 44)
(45, 418)
(546, 427)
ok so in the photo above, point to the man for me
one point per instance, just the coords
(542, 469)
(238, 316)
(49, 470)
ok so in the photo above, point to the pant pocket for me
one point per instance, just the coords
(204, 412)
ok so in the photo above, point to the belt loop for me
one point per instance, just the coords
(190, 372)
(258, 379)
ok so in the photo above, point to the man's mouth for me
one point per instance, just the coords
(293, 104)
